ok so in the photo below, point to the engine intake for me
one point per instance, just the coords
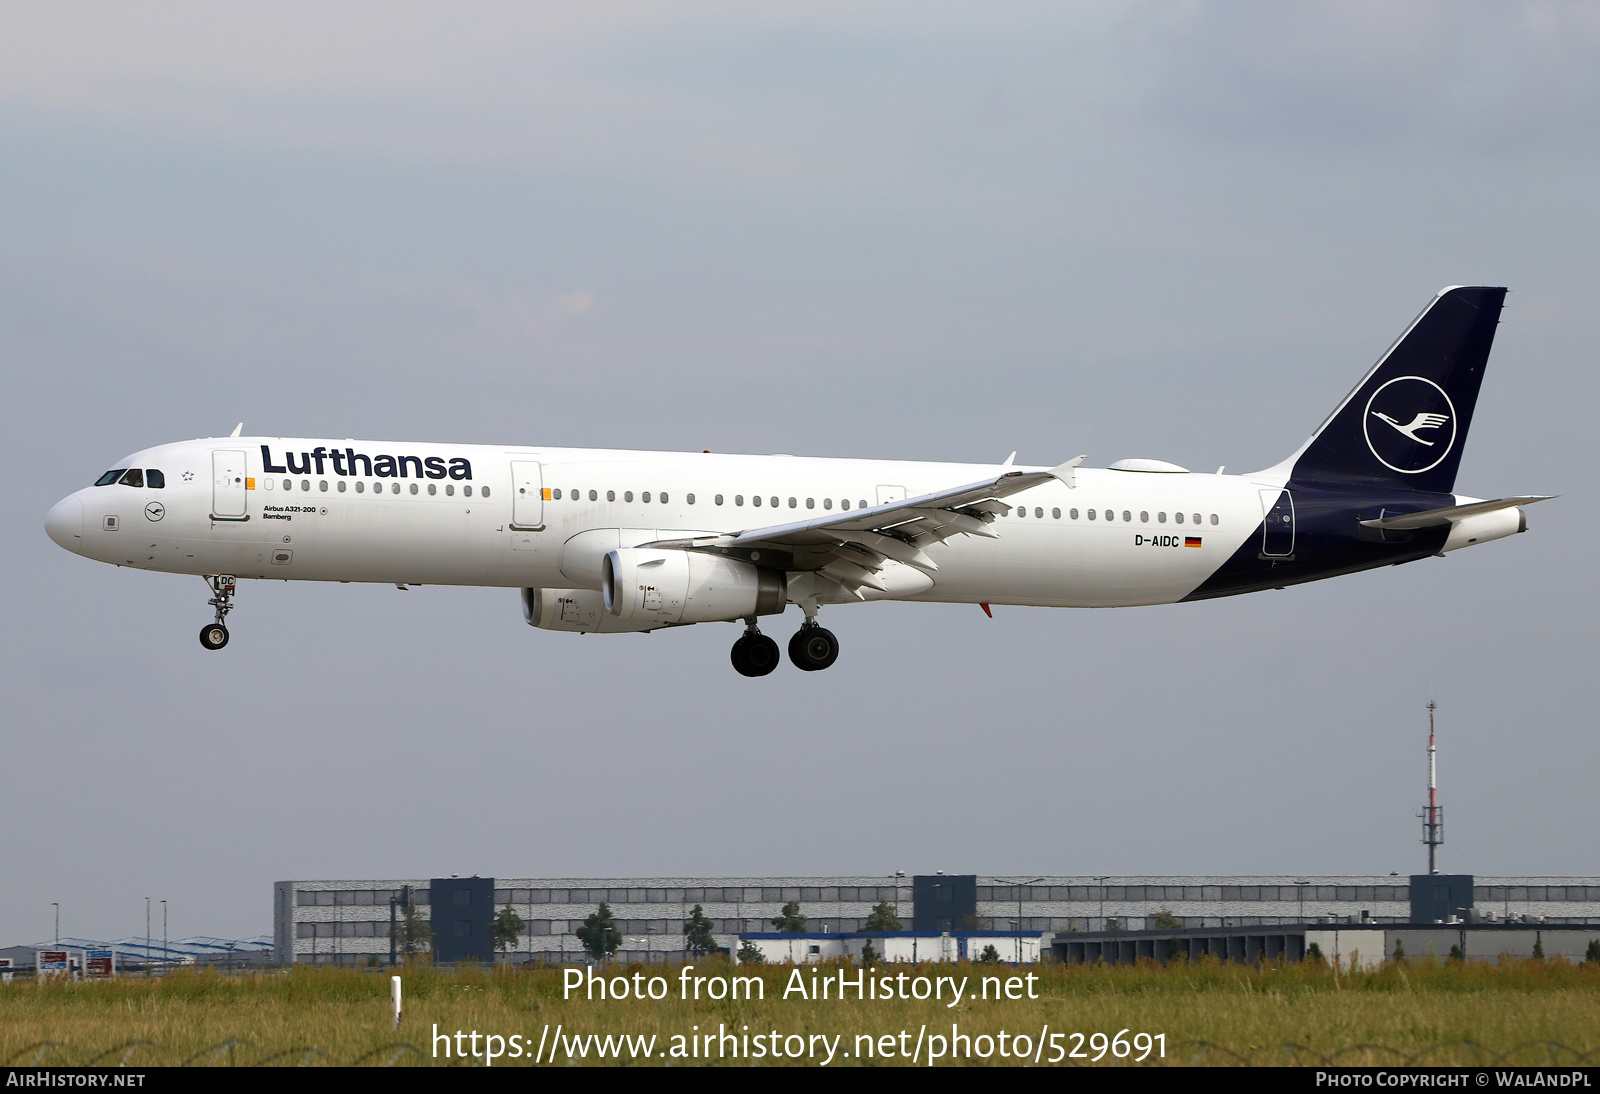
(670, 586)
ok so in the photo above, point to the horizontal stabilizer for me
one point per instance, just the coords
(1431, 518)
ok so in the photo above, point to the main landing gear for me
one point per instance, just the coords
(213, 636)
(811, 649)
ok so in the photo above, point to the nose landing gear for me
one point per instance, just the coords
(813, 647)
(754, 654)
(213, 636)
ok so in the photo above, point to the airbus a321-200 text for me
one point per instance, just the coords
(615, 541)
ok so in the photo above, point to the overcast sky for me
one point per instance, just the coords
(922, 231)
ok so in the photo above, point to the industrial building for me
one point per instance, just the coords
(347, 922)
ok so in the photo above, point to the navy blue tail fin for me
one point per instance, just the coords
(1405, 424)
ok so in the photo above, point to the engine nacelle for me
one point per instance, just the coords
(582, 610)
(670, 586)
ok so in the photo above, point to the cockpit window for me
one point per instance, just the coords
(110, 477)
(133, 477)
(154, 479)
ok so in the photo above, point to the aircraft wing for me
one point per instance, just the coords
(1430, 518)
(851, 547)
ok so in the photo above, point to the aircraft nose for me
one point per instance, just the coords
(64, 522)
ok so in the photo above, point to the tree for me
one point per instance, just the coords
(412, 934)
(882, 918)
(697, 936)
(1175, 950)
(790, 921)
(750, 953)
(1457, 953)
(1592, 954)
(1538, 949)
(1399, 950)
(599, 933)
(1314, 952)
(505, 928)
(1166, 921)
(869, 955)
(990, 955)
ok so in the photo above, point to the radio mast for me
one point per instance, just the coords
(1432, 814)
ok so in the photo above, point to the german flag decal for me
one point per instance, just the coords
(1191, 541)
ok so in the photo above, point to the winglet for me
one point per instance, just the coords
(236, 430)
(1009, 460)
(1066, 472)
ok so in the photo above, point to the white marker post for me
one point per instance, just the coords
(394, 998)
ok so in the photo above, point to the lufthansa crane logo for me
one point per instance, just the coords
(1410, 425)
(154, 511)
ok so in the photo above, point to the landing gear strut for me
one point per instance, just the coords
(813, 647)
(754, 654)
(213, 636)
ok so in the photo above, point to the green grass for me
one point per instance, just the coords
(1531, 1012)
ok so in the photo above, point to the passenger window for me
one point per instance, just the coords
(1127, 516)
(811, 503)
(1213, 518)
(594, 495)
(413, 487)
(268, 484)
(1038, 513)
(645, 496)
(154, 479)
(1056, 513)
(827, 503)
(1022, 512)
(738, 499)
(1161, 518)
(287, 485)
(717, 499)
(792, 503)
(611, 495)
(555, 495)
(360, 486)
(577, 495)
(133, 477)
(1110, 515)
(1197, 518)
(394, 488)
(862, 504)
(449, 490)
(844, 503)
(663, 499)
(627, 495)
(322, 484)
(1092, 514)
(1178, 517)
(342, 486)
(110, 477)
(775, 502)
(755, 499)
(1144, 516)
(305, 484)
(689, 498)
(1073, 513)
(433, 487)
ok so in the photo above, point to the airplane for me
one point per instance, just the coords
(610, 541)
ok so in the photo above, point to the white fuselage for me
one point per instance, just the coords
(517, 517)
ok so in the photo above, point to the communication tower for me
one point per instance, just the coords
(1432, 814)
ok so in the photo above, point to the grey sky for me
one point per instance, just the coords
(917, 231)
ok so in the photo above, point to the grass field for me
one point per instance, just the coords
(1526, 1012)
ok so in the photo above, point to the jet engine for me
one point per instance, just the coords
(580, 610)
(670, 586)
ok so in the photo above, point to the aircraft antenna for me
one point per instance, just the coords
(1433, 813)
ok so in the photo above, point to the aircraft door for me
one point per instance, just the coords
(1277, 527)
(886, 494)
(228, 486)
(527, 496)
